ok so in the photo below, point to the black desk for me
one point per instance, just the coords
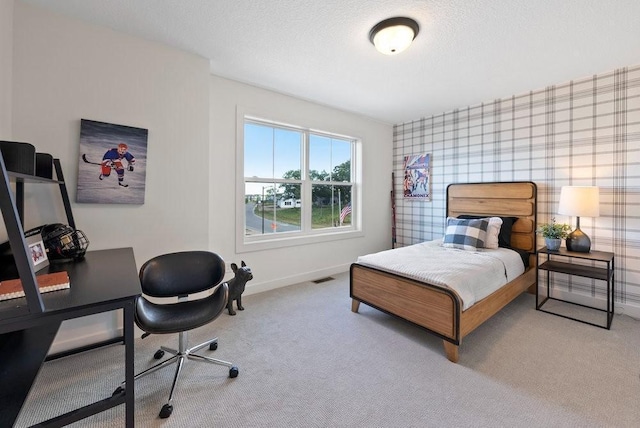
(103, 281)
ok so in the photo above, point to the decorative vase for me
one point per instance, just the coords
(553, 244)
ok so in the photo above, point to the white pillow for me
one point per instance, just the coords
(495, 223)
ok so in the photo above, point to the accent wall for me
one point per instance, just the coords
(585, 132)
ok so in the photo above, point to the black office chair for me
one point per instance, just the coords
(179, 275)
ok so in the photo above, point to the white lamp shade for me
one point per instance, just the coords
(393, 40)
(580, 201)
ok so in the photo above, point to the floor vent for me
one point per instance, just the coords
(321, 280)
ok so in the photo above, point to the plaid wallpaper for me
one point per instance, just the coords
(585, 132)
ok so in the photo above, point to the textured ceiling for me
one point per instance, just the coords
(467, 51)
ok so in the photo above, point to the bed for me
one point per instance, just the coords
(437, 308)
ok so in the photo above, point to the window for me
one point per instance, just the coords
(297, 184)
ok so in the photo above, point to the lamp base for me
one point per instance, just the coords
(579, 242)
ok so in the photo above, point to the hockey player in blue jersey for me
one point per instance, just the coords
(113, 159)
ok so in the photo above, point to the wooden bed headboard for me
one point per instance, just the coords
(500, 199)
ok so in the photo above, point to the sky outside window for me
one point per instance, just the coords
(270, 152)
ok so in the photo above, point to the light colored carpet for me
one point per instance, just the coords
(307, 361)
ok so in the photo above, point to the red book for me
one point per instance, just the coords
(12, 288)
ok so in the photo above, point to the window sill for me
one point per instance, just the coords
(283, 241)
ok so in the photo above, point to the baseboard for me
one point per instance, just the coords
(623, 309)
(63, 344)
(295, 279)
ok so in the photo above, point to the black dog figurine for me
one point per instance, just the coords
(236, 286)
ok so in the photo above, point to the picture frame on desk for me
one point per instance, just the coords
(37, 251)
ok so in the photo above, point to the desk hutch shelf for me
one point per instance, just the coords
(28, 325)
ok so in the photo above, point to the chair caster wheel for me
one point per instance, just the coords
(233, 372)
(119, 390)
(159, 354)
(166, 411)
(213, 346)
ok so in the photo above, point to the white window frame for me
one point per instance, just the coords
(307, 235)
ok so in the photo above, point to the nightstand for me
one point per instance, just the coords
(558, 262)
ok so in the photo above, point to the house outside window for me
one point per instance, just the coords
(298, 184)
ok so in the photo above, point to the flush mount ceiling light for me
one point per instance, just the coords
(393, 35)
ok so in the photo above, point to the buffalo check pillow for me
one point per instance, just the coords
(465, 234)
(493, 230)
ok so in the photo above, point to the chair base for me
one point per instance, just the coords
(179, 356)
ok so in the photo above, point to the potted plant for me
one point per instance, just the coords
(553, 233)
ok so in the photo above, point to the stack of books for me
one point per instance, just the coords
(12, 288)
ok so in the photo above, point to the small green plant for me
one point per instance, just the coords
(554, 230)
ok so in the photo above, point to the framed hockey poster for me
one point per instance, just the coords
(112, 163)
(417, 177)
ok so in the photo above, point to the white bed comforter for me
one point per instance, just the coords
(472, 274)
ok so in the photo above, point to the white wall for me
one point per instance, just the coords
(6, 67)
(65, 70)
(285, 266)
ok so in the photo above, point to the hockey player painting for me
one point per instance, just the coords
(113, 159)
(112, 164)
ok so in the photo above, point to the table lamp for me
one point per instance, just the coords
(579, 201)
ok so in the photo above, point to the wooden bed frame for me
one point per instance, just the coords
(436, 308)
